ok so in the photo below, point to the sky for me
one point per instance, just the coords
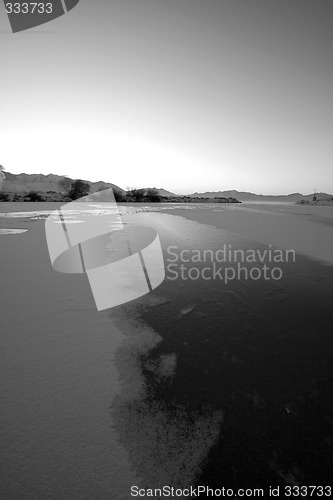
(188, 95)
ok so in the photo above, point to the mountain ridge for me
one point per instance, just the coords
(21, 183)
(248, 196)
(17, 183)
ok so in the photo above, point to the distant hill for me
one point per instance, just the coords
(163, 192)
(23, 183)
(246, 196)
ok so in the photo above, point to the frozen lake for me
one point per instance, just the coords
(196, 380)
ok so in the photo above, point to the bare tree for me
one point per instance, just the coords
(2, 175)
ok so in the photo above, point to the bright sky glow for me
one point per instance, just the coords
(187, 95)
(97, 155)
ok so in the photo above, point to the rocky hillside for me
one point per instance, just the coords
(23, 183)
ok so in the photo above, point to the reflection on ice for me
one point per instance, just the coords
(13, 231)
